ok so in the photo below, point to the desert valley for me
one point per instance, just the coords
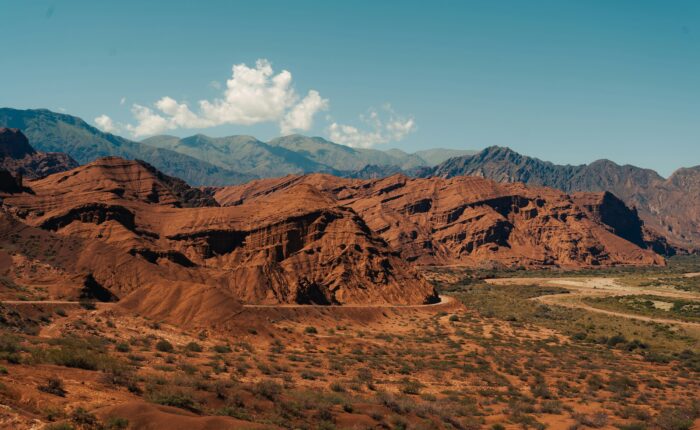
(131, 299)
(350, 215)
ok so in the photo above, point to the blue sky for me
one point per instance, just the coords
(566, 81)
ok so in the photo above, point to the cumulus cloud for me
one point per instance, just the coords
(301, 116)
(384, 125)
(253, 95)
(105, 124)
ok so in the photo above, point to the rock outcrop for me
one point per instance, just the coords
(21, 160)
(300, 246)
(669, 207)
(474, 221)
(623, 221)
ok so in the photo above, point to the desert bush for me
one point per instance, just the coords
(337, 387)
(596, 420)
(267, 389)
(677, 418)
(189, 369)
(10, 348)
(409, 386)
(364, 375)
(277, 347)
(310, 330)
(551, 407)
(164, 346)
(178, 397)
(193, 347)
(221, 349)
(59, 426)
(123, 375)
(88, 304)
(122, 347)
(117, 423)
(632, 426)
(310, 375)
(54, 386)
(84, 419)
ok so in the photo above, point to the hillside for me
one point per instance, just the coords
(294, 154)
(669, 206)
(20, 159)
(345, 158)
(54, 132)
(435, 156)
(474, 222)
(294, 247)
(241, 154)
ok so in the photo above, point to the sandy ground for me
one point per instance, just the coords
(581, 288)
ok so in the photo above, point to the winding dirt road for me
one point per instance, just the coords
(581, 288)
(444, 300)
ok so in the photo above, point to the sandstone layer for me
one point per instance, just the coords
(472, 221)
(166, 249)
(21, 160)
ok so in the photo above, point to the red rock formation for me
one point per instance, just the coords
(468, 220)
(296, 247)
(20, 159)
(623, 221)
(13, 144)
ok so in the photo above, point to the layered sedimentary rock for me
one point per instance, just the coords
(297, 247)
(623, 221)
(21, 160)
(668, 206)
(472, 221)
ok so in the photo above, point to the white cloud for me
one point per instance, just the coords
(393, 128)
(122, 101)
(105, 124)
(301, 116)
(253, 95)
(147, 122)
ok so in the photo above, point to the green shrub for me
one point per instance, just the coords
(54, 386)
(175, 397)
(59, 426)
(117, 423)
(164, 346)
(268, 389)
(677, 418)
(310, 330)
(193, 347)
(410, 386)
(83, 418)
(222, 349)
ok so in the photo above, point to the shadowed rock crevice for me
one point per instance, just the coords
(94, 213)
(93, 290)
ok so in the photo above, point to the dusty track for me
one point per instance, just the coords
(581, 288)
(444, 300)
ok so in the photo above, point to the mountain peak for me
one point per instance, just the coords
(14, 144)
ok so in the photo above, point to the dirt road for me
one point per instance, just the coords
(444, 300)
(581, 288)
